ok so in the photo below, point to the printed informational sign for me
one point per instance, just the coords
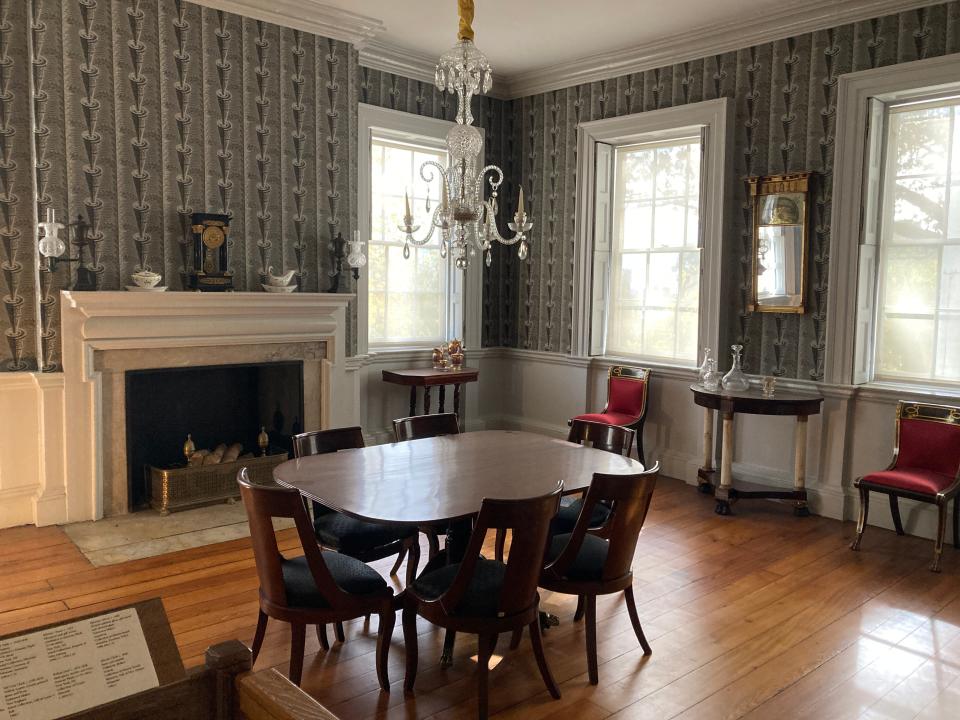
(64, 669)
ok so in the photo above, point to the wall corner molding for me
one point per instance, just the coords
(307, 15)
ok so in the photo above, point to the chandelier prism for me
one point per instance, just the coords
(465, 219)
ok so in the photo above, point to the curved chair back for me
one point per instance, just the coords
(425, 426)
(263, 503)
(321, 442)
(529, 521)
(629, 499)
(928, 437)
(611, 438)
(627, 390)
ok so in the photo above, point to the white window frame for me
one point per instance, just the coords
(714, 120)
(466, 288)
(857, 159)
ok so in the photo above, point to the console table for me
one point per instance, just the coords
(798, 404)
(428, 378)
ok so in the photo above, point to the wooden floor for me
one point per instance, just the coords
(759, 615)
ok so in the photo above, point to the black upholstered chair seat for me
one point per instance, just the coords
(351, 576)
(351, 536)
(567, 516)
(588, 565)
(482, 598)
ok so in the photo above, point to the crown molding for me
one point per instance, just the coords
(378, 55)
(307, 15)
(796, 19)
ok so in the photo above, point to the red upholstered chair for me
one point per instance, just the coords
(925, 467)
(627, 391)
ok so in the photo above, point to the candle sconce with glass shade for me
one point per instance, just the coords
(57, 238)
(780, 210)
(350, 251)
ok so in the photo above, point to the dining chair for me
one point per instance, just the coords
(583, 564)
(363, 540)
(611, 438)
(316, 588)
(628, 389)
(487, 597)
(925, 467)
(418, 427)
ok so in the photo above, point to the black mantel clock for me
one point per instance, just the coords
(210, 273)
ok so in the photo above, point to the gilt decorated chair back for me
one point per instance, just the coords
(627, 390)
(928, 437)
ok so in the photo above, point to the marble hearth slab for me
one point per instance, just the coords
(148, 533)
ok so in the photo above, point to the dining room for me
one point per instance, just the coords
(466, 358)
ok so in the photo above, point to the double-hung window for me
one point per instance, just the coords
(657, 181)
(910, 258)
(417, 301)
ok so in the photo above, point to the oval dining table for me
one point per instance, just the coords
(443, 480)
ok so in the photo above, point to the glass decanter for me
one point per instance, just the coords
(711, 378)
(735, 380)
(705, 365)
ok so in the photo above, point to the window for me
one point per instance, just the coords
(655, 253)
(421, 301)
(408, 297)
(914, 253)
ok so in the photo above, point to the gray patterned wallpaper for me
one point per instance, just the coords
(147, 110)
(785, 94)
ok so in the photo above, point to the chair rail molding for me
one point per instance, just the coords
(894, 82)
(716, 117)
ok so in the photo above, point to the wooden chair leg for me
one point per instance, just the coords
(956, 522)
(578, 613)
(400, 556)
(486, 646)
(433, 540)
(862, 520)
(591, 616)
(413, 560)
(410, 642)
(941, 531)
(537, 641)
(338, 632)
(516, 637)
(895, 511)
(258, 635)
(500, 544)
(297, 641)
(635, 620)
(384, 636)
(322, 636)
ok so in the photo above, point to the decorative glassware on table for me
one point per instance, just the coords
(705, 365)
(735, 380)
(768, 385)
(711, 377)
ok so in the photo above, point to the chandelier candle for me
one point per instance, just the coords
(465, 218)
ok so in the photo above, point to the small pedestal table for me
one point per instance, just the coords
(428, 378)
(798, 404)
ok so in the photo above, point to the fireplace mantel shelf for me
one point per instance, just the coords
(123, 303)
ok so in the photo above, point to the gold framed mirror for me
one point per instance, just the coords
(781, 207)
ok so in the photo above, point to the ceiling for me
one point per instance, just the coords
(520, 36)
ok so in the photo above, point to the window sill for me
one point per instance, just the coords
(892, 391)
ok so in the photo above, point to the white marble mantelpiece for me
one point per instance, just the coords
(104, 334)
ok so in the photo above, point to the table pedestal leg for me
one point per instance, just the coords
(426, 400)
(456, 401)
(413, 400)
(800, 466)
(443, 392)
(726, 467)
(704, 477)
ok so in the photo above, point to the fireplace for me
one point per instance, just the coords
(217, 405)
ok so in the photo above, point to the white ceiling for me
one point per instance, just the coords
(520, 36)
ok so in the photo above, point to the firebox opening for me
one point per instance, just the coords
(220, 404)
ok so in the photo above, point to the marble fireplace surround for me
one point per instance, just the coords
(106, 334)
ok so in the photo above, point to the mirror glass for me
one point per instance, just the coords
(780, 228)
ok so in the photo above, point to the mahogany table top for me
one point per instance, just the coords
(435, 480)
(783, 402)
(430, 376)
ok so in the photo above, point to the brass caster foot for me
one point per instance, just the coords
(446, 659)
(801, 510)
(935, 565)
(855, 545)
(722, 508)
(548, 620)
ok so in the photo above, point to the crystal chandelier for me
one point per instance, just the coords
(465, 220)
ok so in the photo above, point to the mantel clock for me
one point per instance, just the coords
(210, 272)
